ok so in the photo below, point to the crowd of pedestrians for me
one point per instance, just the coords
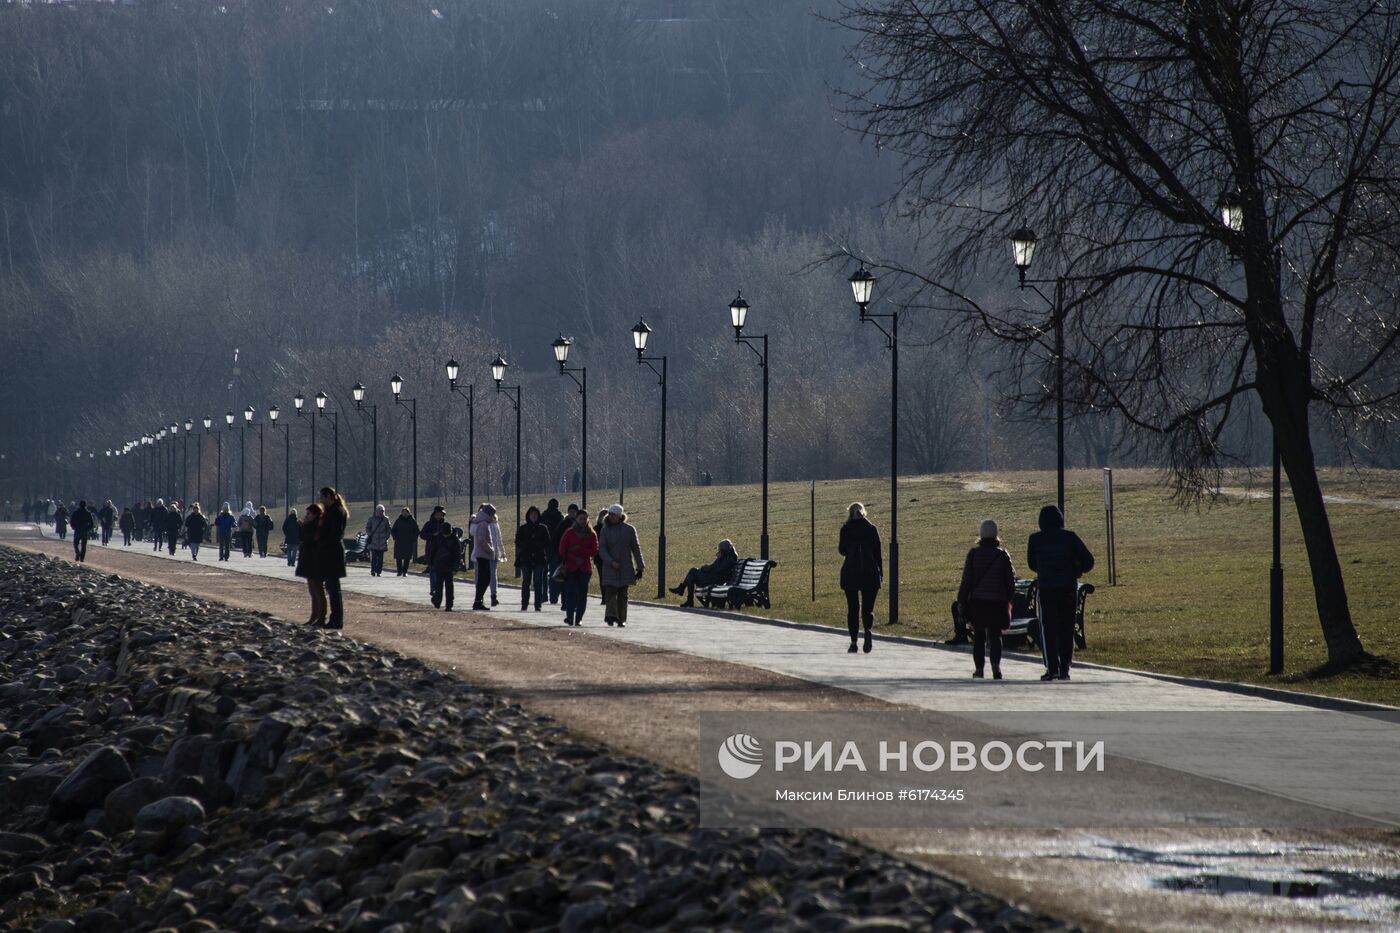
(556, 554)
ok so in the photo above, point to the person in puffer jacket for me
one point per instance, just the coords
(1058, 558)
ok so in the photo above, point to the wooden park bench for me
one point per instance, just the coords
(747, 586)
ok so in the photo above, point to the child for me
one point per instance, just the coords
(447, 556)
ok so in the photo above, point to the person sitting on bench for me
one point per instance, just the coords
(726, 559)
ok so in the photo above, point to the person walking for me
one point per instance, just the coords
(245, 528)
(156, 518)
(308, 565)
(223, 529)
(60, 521)
(428, 535)
(127, 525)
(291, 536)
(720, 570)
(335, 518)
(483, 554)
(1058, 558)
(578, 547)
(377, 529)
(447, 557)
(262, 527)
(861, 572)
(174, 524)
(82, 527)
(106, 518)
(532, 558)
(556, 534)
(984, 596)
(620, 563)
(498, 545)
(195, 527)
(405, 534)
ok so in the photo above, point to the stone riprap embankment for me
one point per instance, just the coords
(166, 762)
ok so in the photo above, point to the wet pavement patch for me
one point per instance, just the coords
(1311, 885)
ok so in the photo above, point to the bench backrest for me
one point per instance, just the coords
(752, 571)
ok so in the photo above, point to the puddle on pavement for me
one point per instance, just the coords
(1314, 885)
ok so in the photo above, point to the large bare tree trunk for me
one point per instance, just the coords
(1283, 388)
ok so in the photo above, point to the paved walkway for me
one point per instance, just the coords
(931, 677)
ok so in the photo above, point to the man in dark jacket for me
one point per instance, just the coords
(262, 527)
(718, 571)
(1058, 558)
(556, 534)
(82, 527)
(532, 557)
(432, 530)
(446, 548)
(106, 518)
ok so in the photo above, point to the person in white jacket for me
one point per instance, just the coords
(499, 548)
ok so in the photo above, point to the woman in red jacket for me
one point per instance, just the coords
(578, 547)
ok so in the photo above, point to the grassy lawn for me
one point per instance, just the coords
(1192, 593)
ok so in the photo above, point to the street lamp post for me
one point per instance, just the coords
(228, 420)
(862, 286)
(561, 346)
(640, 335)
(335, 440)
(1232, 215)
(358, 392)
(298, 401)
(1023, 242)
(738, 317)
(498, 372)
(273, 414)
(185, 463)
(199, 455)
(396, 387)
(242, 455)
(452, 370)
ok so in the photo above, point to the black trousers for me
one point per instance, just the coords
(860, 609)
(1057, 607)
(337, 604)
(401, 567)
(984, 638)
(483, 579)
(106, 534)
(173, 539)
(79, 546)
(262, 544)
(126, 535)
(449, 588)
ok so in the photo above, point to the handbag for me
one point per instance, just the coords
(558, 575)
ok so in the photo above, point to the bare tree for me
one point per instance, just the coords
(1119, 125)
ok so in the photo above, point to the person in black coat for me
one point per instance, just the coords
(532, 558)
(195, 527)
(308, 563)
(861, 572)
(718, 571)
(82, 527)
(127, 524)
(106, 517)
(430, 532)
(262, 527)
(556, 534)
(1059, 558)
(331, 546)
(174, 525)
(291, 536)
(404, 531)
(60, 521)
(447, 557)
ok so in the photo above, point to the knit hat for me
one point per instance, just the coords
(988, 529)
(616, 509)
